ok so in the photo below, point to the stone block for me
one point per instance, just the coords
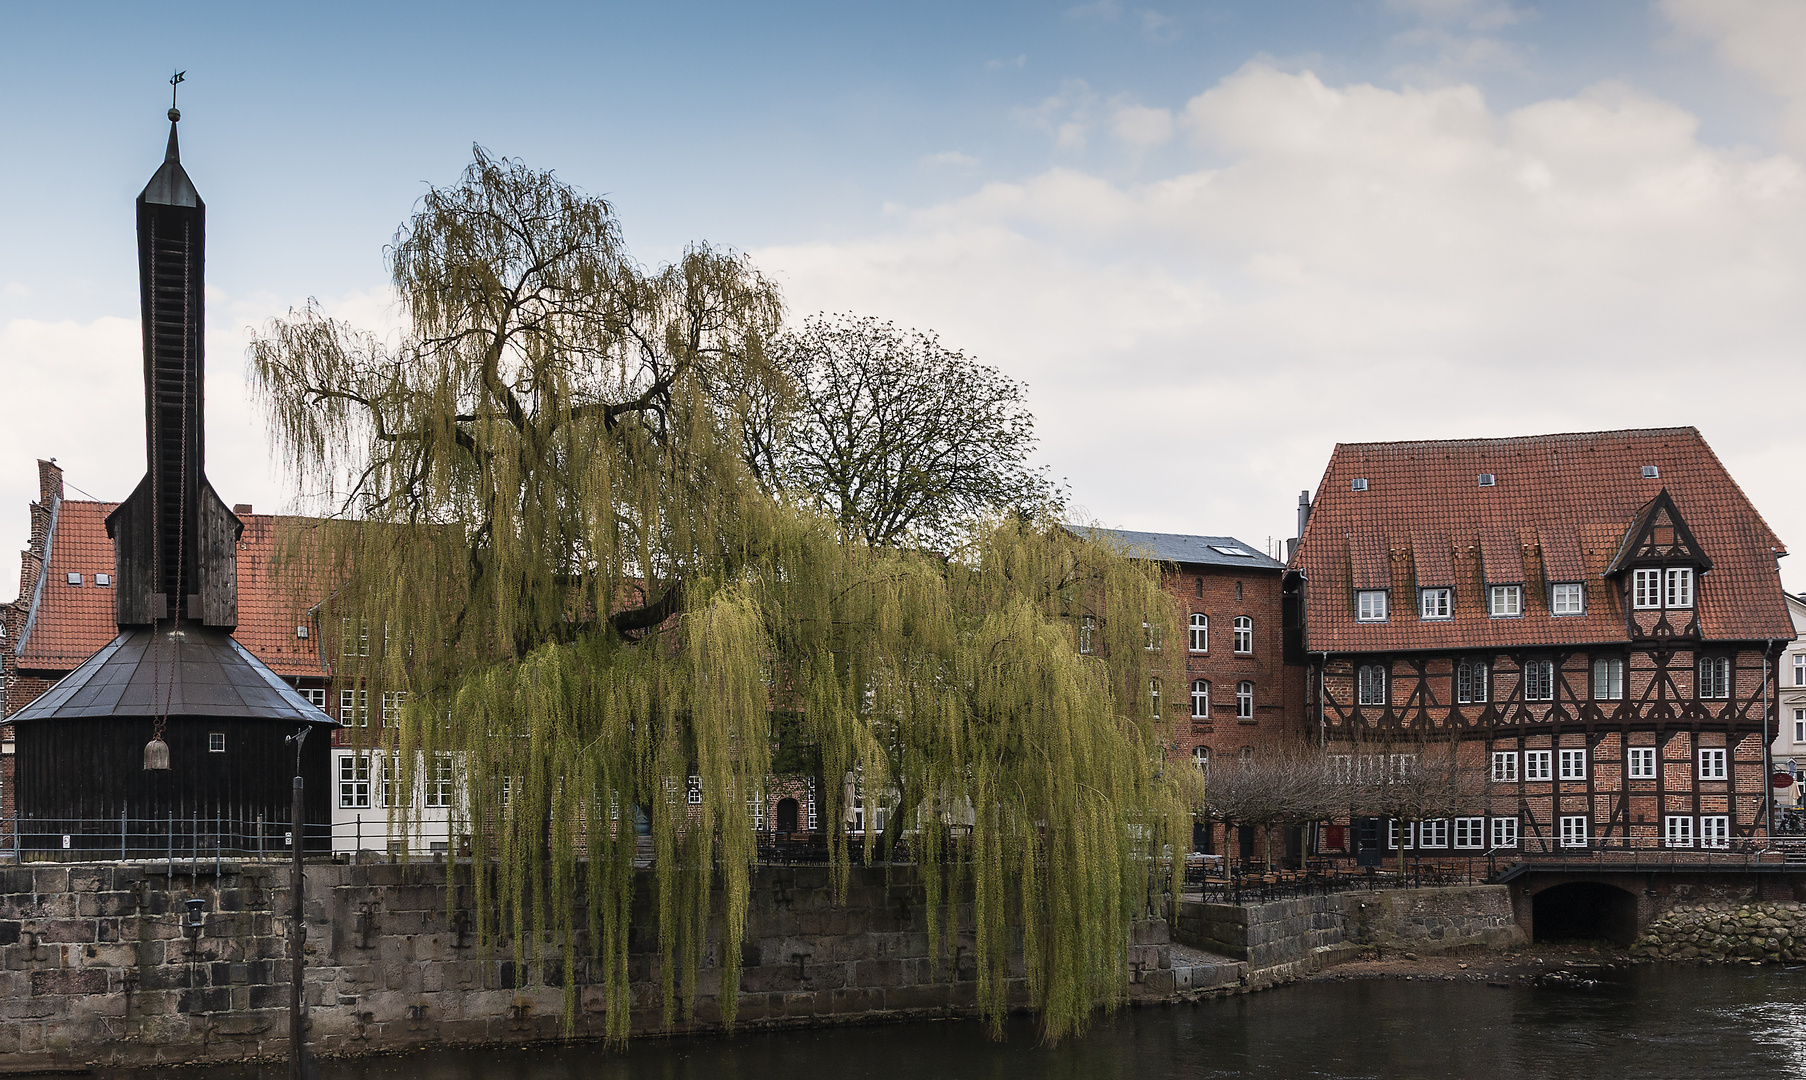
(69, 981)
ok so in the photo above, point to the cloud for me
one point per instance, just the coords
(1348, 262)
(1068, 115)
(1765, 39)
(1140, 126)
(1474, 14)
(1156, 26)
(948, 159)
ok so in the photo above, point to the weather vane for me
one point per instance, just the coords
(178, 77)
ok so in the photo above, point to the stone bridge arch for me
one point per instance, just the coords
(1557, 907)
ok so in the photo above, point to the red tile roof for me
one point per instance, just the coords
(1561, 504)
(73, 622)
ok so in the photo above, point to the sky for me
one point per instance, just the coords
(1213, 239)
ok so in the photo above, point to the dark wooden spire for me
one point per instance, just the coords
(175, 542)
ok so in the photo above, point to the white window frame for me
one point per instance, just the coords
(1677, 831)
(1545, 670)
(216, 742)
(1713, 763)
(1435, 603)
(1504, 832)
(1576, 831)
(1392, 834)
(1799, 725)
(1799, 669)
(1608, 678)
(755, 808)
(439, 785)
(1568, 598)
(1200, 632)
(1505, 601)
(1677, 587)
(1370, 605)
(1537, 765)
(1573, 763)
(1646, 588)
(1471, 682)
(1200, 699)
(354, 781)
(1715, 831)
(354, 644)
(1154, 698)
(1470, 833)
(1504, 766)
(1244, 700)
(354, 708)
(1244, 635)
(693, 790)
(1200, 757)
(1366, 690)
(393, 700)
(315, 695)
(1641, 764)
(392, 794)
(1714, 678)
(1087, 630)
(1433, 833)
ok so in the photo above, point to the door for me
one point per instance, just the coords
(787, 815)
(1370, 840)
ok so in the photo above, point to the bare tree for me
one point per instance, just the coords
(1406, 777)
(1281, 785)
(898, 437)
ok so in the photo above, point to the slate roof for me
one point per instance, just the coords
(1560, 507)
(73, 622)
(1183, 548)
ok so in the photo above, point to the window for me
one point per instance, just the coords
(1608, 679)
(355, 637)
(859, 806)
(1646, 589)
(1238, 585)
(755, 808)
(1200, 756)
(1370, 684)
(354, 708)
(1505, 601)
(1799, 725)
(1715, 831)
(1370, 605)
(1470, 832)
(1714, 677)
(1433, 834)
(1799, 669)
(1150, 636)
(392, 703)
(1504, 832)
(1392, 834)
(103, 580)
(1244, 634)
(74, 579)
(216, 742)
(1433, 603)
(1244, 700)
(1504, 766)
(315, 695)
(1198, 587)
(1711, 764)
(439, 785)
(1651, 472)
(1245, 758)
(1154, 698)
(1677, 587)
(1200, 699)
(1568, 598)
(1487, 479)
(1536, 764)
(354, 781)
(1087, 626)
(1359, 483)
(693, 791)
(1677, 831)
(1574, 830)
(1573, 764)
(1200, 632)
(1539, 680)
(1470, 682)
(1642, 763)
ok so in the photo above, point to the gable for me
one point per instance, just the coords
(1658, 534)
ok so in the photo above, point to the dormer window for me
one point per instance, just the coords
(1434, 603)
(1567, 598)
(1370, 605)
(1505, 601)
(1662, 587)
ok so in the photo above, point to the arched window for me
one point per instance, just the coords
(1200, 756)
(1200, 633)
(1200, 699)
(1370, 684)
(1244, 634)
(1244, 701)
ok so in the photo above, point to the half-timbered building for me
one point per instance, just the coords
(1591, 620)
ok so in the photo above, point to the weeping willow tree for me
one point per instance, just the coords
(553, 565)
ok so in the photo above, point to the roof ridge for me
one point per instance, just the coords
(1618, 433)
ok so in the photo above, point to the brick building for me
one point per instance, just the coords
(1238, 694)
(1591, 619)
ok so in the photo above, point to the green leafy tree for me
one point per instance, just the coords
(542, 515)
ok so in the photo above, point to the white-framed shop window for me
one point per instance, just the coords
(1677, 831)
(1574, 833)
(1642, 763)
(1504, 766)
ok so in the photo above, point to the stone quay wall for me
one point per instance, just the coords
(1286, 938)
(98, 966)
(1726, 931)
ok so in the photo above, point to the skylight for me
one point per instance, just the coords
(1234, 552)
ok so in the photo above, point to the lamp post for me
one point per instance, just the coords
(297, 1046)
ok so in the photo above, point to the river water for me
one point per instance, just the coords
(1653, 1023)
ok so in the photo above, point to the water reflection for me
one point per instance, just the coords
(1657, 1023)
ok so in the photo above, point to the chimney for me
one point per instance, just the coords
(175, 543)
(50, 482)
